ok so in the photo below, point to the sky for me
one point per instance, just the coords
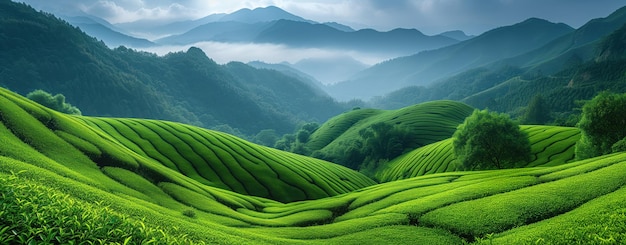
(429, 16)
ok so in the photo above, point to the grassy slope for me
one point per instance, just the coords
(550, 146)
(48, 174)
(429, 122)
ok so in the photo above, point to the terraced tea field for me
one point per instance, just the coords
(67, 179)
(550, 146)
(221, 160)
(431, 122)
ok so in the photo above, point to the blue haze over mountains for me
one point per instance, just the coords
(271, 25)
(409, 57)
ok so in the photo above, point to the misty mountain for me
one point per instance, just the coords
(168, 32)
(160, 30)
(426, 67)
(510, 89)
(41, 51)
(340, 27)
(267, 14)
(230, 31)
(458, 35)
(397, 41)
(575, 47)
(105, 31)
(289, 70)
(276, 26)
(330, 69)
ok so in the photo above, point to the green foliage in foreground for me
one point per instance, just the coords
(489, 140)
(127, 180)
(36, 214)
(603, 124)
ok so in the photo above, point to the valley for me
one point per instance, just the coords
(178, 148)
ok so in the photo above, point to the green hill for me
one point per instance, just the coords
(160, 151)
(550, 146)
(422, 123)
(72, 179)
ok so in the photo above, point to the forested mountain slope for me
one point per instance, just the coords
(511, 89)
(43, 52)
(426, 67)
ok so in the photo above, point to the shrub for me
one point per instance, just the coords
(189, 213)
(619, 146)
(56, 102)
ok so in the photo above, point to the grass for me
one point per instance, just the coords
(39, 214)
(67, 179)
(498, 213)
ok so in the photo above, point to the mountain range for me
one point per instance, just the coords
(535, 45)
(276, 26)
(471, 70)
(43, 52)
(426, 67)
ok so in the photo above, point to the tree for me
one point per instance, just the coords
(296, 142)
(602, 125)
(488, 140)
(381, 142)
(56, 102)
(266, 137)
(537, 111)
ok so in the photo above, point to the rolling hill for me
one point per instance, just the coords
(423, 124)
(84, 179)
(550, 146)
(208, 157)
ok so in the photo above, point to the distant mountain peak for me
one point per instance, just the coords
(261, 14)
(456, 34)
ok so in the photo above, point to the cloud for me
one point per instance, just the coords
(272, 53)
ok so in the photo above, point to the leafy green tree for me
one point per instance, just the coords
(602, 124)
(488, 140)
(266, 137)
(296, 142)
(56, 102)
(537, 111)
(285, 143)
(383, 141)
(619, 146)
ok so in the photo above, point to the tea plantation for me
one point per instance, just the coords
(85, 180)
